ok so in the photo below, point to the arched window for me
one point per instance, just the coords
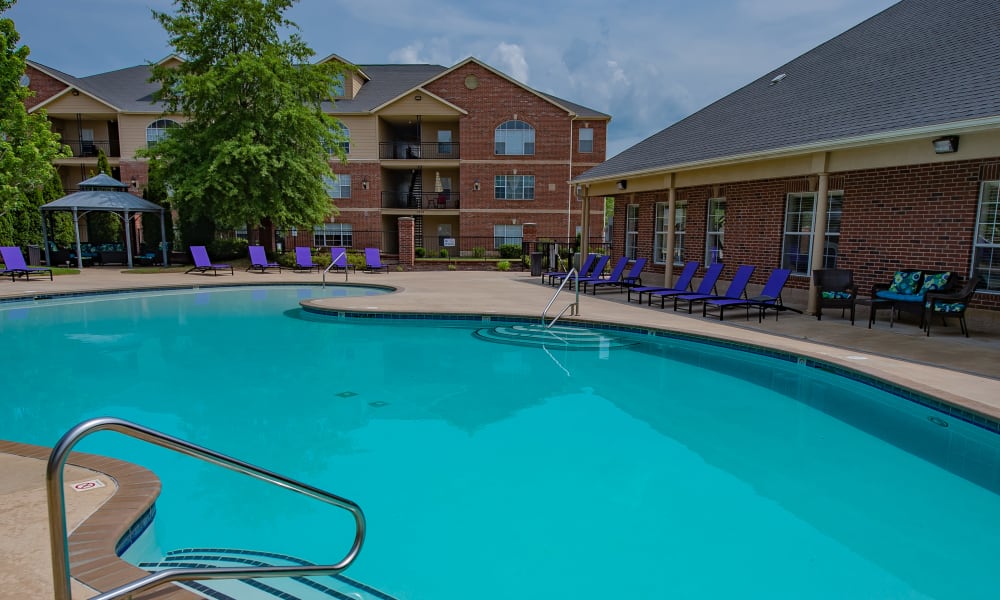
(157, 130)
(514, 138)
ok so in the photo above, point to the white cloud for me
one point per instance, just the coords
(510, 59)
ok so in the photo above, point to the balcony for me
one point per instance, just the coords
(418, 150)
(89, 148)
(424, 201)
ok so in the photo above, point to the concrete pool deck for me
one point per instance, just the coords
(964, 372)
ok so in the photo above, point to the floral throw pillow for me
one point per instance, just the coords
(934, 281)
(905, 282)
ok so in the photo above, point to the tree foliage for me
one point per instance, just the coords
(27, 143)
(255, 144)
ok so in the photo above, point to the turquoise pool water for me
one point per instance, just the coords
(641, 468)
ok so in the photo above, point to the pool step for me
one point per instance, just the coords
(339, 586)
(563, 338)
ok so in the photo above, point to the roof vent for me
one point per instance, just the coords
(778, 78)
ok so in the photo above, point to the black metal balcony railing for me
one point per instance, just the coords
(426, 200)
(88, 148)
(418, 150)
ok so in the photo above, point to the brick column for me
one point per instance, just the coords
(529, 233)
(406, 241)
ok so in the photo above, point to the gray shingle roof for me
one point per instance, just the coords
(129, 89)
(919, 63)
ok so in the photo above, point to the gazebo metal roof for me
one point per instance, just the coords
(103, 193)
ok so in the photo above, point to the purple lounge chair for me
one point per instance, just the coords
(623, 280)
(15, 266)
(304, 259)
(737, 289)
(258, 260)
(769, 297)
(202, 264)
(707, 285)
(373, 261)
(584, 270)
(683, 284)
(594, 265)
(616, 274)
(340, 262)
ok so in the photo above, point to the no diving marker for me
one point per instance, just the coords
(84, 486)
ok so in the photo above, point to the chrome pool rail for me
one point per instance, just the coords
(333, 263)
(57, 512)
(575, 306)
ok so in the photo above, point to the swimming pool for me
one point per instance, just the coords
(641, 466)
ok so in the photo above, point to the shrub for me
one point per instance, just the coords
(479, 252)
(443, 253)
(510, 251)
(452, 267)
(420, 252)
(503, 265)
(228, 249)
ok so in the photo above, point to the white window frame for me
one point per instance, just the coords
(444, 142)
(631, 230)
(338, 185)
(715, 231)
(797, 238)
(660, 233)
(585, 140)
(157, 130)
(986, 242)
(505, 233)
(514, 187)
(328, 235)
(514, 138)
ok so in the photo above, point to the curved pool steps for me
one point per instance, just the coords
(563, 338)
(338, 586)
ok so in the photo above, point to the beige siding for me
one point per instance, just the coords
(78, 104)
(132, 132)
(364, 137)
(427, 105)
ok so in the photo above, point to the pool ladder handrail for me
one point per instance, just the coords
(575, 306)
(57, 512)
(333, 262)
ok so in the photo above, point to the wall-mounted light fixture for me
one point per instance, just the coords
(133, 184)
(946, 144)
(622, 184)
(475, 185)
(364, 182)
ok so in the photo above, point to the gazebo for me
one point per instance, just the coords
(103, 194)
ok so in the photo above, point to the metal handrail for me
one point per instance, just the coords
(57, 512)
(574, 305)
(333, 262)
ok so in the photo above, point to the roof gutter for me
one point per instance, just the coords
(901, 135)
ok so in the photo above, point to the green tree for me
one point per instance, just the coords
(27, 143)
(103, 227)
(256, 144)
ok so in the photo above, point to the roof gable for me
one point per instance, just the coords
(916, 66)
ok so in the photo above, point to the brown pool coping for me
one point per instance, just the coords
(93, 560)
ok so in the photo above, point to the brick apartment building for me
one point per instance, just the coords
(468, 153)
(877, 151)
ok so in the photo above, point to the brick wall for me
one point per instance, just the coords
(915, 216)
(43, 85)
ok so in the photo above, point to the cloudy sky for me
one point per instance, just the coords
(647, 63)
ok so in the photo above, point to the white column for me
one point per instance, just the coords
(668, 268)
(819, 236)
